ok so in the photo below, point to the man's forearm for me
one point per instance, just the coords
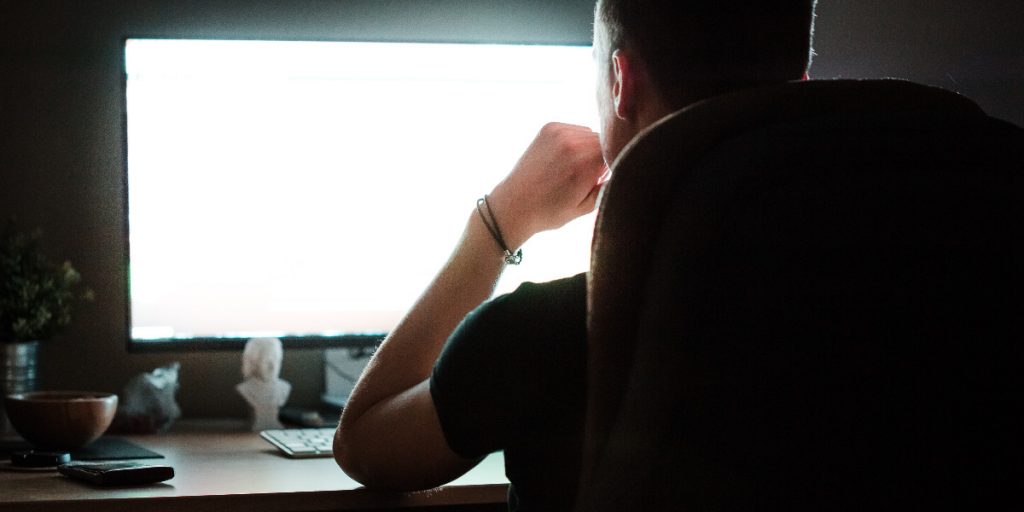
(407, 356)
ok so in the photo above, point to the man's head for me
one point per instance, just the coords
(657, 56)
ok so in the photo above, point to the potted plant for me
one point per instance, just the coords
(36, 298)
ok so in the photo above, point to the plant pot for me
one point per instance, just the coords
(17, 375)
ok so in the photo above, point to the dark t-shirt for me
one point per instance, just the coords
(511, 377)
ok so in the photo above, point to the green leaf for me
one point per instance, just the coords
(36, 295)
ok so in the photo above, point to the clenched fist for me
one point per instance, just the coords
(555, 181)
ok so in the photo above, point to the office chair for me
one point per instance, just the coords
(808, 296)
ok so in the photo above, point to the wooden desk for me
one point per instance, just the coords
(220, 468)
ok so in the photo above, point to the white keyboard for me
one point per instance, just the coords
(301, 443)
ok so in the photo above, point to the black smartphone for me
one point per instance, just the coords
(39, 459)
(117, 473)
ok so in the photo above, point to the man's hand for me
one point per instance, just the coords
(555, 181)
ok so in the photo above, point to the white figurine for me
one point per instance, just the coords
(262, 387)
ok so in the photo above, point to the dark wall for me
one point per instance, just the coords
(973, 47)
(61, 122)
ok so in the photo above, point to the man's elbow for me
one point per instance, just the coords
(357, 461)
(346, 454)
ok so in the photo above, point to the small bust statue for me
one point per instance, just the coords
(262, 387)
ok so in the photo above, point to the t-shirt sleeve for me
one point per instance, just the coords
(503, 361)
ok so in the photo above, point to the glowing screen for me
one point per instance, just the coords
(282, 188)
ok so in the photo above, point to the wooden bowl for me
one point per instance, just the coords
(60, 420)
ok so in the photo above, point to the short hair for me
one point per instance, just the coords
(695, 49)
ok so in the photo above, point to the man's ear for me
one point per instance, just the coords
(624, 86)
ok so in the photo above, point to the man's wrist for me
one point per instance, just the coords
(514, 223)
(486, 213)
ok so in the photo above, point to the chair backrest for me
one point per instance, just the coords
(809, 295)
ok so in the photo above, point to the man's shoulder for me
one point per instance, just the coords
(534, 312)
(544, 294)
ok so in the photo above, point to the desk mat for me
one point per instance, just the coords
(104, 448)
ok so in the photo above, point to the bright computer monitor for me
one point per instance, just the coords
(311, 190)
